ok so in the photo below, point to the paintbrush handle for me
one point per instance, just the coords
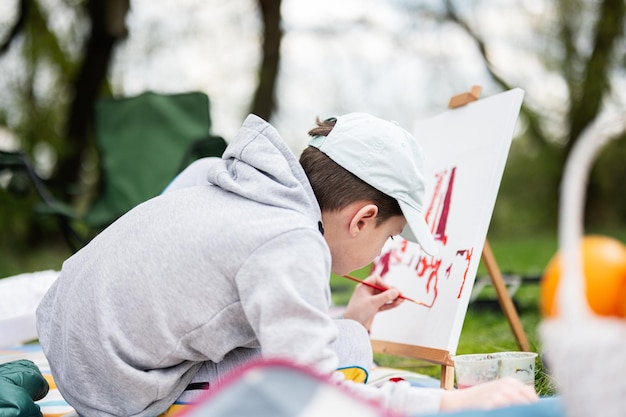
(379, 288)
(360, 281)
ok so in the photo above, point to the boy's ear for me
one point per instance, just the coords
(362, 217)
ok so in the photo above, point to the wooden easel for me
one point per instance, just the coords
(432, 355)
(443, 357)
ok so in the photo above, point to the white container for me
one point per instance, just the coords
(477, 368)
(474, 369)
(518, 365)
(19, 297)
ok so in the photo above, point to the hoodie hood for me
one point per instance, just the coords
(258, 165)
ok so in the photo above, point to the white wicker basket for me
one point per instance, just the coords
(585, 353)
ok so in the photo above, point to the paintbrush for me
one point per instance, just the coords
(381, 289)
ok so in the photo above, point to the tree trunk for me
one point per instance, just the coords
(108, 25)
(594, 86)
(17, 26)
(264, 102)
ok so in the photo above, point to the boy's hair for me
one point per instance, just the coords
(335, 187)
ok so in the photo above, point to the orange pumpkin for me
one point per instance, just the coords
(604, 266)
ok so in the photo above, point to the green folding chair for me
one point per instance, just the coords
(143, 143)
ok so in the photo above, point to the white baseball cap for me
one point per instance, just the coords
(386, 157)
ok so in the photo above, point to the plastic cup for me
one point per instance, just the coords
(519, 365)
(476, 368)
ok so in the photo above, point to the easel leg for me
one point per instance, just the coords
(505, 298)
(447, 377)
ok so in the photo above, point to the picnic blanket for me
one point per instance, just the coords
(53, 404)
(274, 376)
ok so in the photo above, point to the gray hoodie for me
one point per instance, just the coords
(189, 276)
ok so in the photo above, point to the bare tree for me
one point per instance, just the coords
(264, 102)
(17, 27)
(108, 26)
(586, 74)
(49, 101)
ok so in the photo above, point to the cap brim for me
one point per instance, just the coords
(416, 229)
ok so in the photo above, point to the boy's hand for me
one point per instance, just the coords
(499, 393)
(366, 302)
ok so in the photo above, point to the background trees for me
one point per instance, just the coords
(582, 48)
(291, 61)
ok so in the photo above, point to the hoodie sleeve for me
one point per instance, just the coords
(285, 294)
(400, 397)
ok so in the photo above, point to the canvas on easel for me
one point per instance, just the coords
(465, 152)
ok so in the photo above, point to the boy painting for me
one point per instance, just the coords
(234, 264)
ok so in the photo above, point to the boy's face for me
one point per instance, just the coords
(354, 238)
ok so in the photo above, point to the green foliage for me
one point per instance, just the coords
(14, 223)
(20, 223)
(606, 207)
(527, 202)
(342, 288)
(580, 43)
(37, 256)
(41, 91)
(35, 107)
(525, 256)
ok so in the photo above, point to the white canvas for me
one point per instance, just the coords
(465, 153)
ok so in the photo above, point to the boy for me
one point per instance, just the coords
(190, 284)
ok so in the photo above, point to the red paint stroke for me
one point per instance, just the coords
(468, 257)
(387, 259)
(425, 267)
(443, 218)
(438, 181)
(438, 208)
(432, 277)
(383, 261)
